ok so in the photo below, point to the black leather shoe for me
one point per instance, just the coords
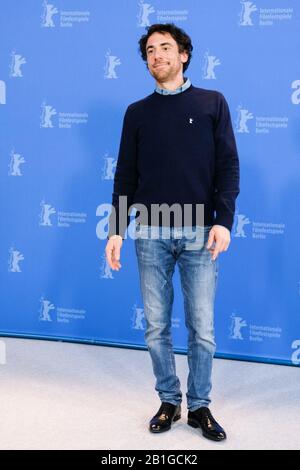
(163, 419)
(202, 418)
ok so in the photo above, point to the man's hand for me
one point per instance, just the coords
(221, 236)
(112, 251)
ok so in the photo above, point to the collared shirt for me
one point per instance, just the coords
(181, 88)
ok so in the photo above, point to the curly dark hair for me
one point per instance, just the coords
(183, 40)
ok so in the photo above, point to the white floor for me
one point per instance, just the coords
(71, 396)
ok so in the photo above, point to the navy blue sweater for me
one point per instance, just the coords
(178, 149)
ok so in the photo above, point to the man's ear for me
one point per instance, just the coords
(184, 57)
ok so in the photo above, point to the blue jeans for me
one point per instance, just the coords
(158, 249)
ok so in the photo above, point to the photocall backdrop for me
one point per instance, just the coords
(68, 70)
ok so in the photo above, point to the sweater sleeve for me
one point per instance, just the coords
(126, 177)
(227, 173)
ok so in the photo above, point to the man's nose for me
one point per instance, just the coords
(157, 56)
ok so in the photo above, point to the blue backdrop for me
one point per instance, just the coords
(68, 70)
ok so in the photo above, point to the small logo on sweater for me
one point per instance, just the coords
(191, 120)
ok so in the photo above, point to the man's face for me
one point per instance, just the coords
(164, 60)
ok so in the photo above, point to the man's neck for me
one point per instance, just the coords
(172, 85)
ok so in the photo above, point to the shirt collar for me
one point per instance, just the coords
(180, 89)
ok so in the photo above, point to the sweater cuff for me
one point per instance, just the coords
(111, 234)
(226, 220)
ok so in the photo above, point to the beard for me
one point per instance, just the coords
(162, 73)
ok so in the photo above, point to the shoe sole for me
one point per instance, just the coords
(176, 418)
(194, 424)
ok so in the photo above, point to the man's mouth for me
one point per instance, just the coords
(159, 65)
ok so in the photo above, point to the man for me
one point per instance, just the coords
(177, 146)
